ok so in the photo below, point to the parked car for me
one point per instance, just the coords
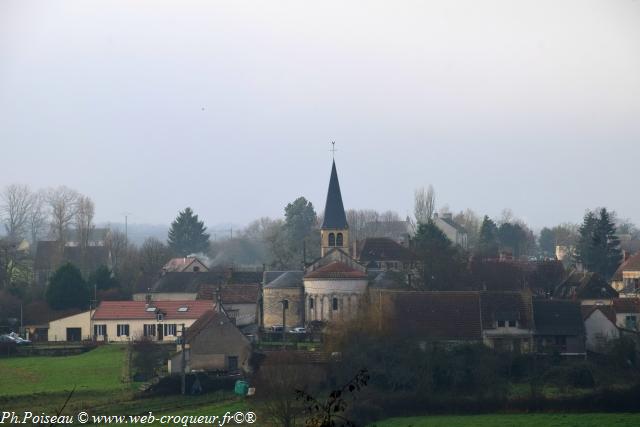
(13, 337)
(276, 328)
(298, 330)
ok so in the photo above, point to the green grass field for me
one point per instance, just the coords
(99, 370)
(519, 420)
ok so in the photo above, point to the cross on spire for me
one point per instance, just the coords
(333, 149)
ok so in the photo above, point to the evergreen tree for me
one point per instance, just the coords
(299, 226)
(488, 243)
(598, 248)
(103, 279)
(67, 289)
(547, 242)
(442, 265)
(187, 234)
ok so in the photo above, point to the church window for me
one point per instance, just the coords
(335, 303)
(332, 239)
(339, 240)
(310, 302)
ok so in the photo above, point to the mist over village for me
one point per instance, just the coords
(340, 214)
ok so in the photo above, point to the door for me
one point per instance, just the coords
(233, 363)
(160, 333)
(74, 334)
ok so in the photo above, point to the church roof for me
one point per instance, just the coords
(336, 270)
(289, 279)
(334, 216)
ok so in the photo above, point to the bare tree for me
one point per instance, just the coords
(117, 246)
(425, 204)
(85, 210)
(16, 205)
(153, 255)
(63, 204)
(37, 220)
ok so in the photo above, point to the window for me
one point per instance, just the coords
(183, 309)
(310, 302)
(151, 309)
(630, 322)
(196, 269)
(170, 329)
(149, 330)
(332, 239)
(339, 240)
(501, 324)
(335, 303)
(232, 362)
(512, 323)
(122, 330)
(159, 317)
(99, 330)
(285, 304)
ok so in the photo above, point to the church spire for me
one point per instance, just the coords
(334, 216)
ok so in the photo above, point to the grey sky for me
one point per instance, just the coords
(229, 107)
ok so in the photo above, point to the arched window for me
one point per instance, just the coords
(339, 240)
(335, 303)
(332, 239)
(311, 302)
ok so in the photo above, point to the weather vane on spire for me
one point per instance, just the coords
(333, 149)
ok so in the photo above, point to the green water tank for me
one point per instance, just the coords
(242, 387)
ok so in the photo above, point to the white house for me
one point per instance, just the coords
(130, 320)
(454, 231)
(600, 326)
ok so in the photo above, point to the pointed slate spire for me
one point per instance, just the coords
(334, 216)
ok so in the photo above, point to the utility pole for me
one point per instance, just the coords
(126, 227)
(183, 364)
(285, 306)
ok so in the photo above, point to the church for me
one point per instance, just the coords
(329, 289)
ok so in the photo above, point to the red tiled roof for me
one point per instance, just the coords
(114, 310)
(336, 270)
(435, 315)
(626, 305)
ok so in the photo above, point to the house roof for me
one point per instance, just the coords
(389, 280)
(506, 306)
(557, 317)
(626, 305)
(633, 263)
(231, 294)
(449, 221)
(207, 318)
(334, 216)
(289, 279)
(584, 286)
(336, 270)
(270, 276)
(188, 281)
(126, 310)
(607, 310)
(180, 264)
(451, 316)
(383, 249)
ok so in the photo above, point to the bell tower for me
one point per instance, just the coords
(334, 232)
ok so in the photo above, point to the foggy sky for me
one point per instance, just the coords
(229, 107)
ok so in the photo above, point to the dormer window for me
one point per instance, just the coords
(183, 309)
(151, 309)
(159, 317)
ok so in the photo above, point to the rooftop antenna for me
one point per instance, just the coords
(126, 227)
(333, 150)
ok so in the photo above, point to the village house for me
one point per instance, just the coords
(584, 285)
(507, 321)
(600, 325)
(382, 253)
(446, 318)
(626, 279)
(559, 327)
(213, 343)
(454, 231)
(627, 313)
(189, 264)
(129, 320)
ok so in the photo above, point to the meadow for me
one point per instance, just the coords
(516, 420)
